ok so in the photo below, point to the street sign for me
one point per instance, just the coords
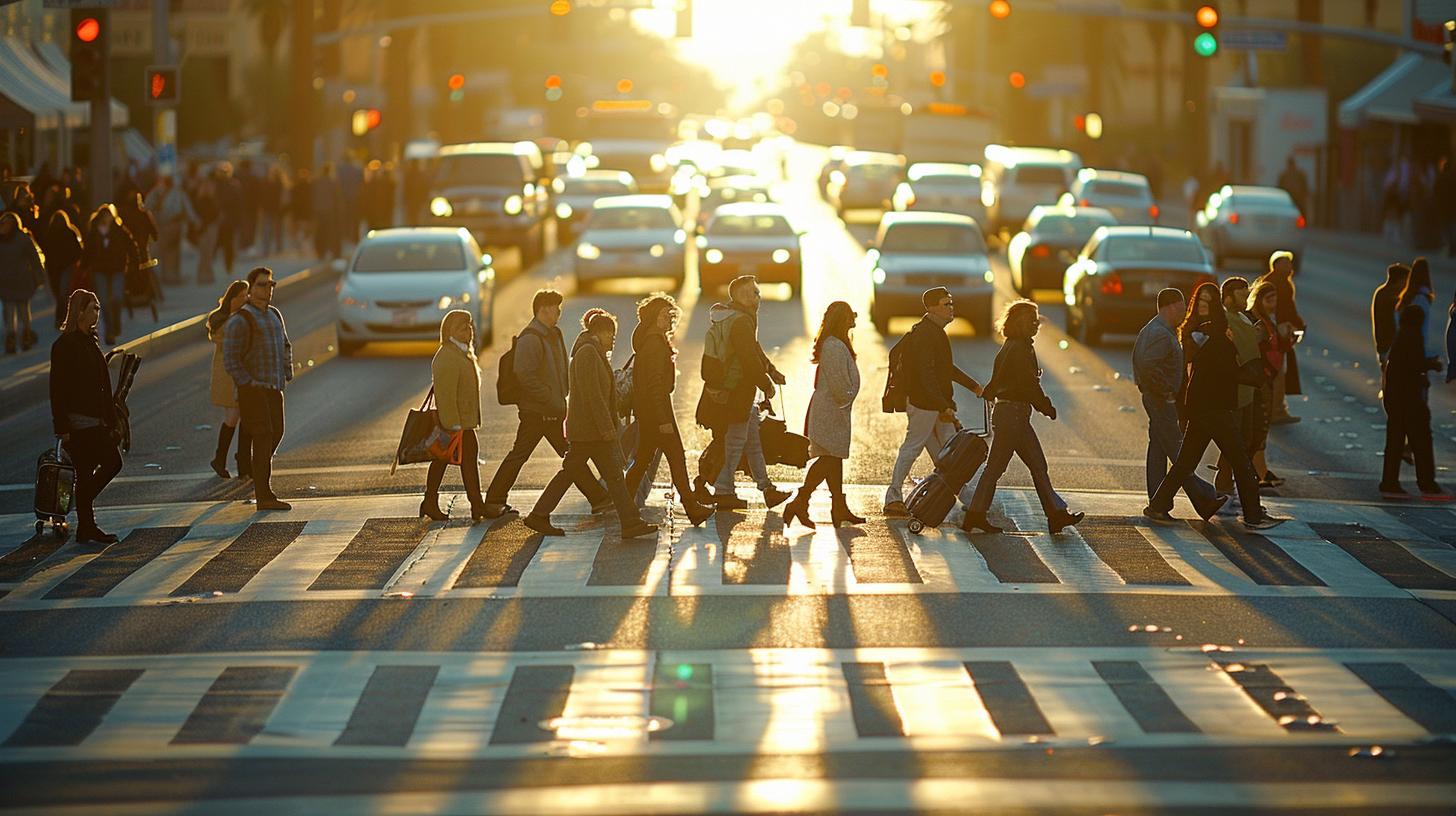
(1255, 39)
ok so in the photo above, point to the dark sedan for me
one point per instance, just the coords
(1113, 286)
(1048, 243)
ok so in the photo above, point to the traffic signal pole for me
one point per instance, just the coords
(101, 191)
(164, 121)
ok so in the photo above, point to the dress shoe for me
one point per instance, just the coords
(639, 530)
(1393, 491)
(729, 502)
(431, 510)
(896, 509)
(974, 522)
(798, 510)
(219, 466)
(494, 511)
(94, 535)
(839, 513)
(273, 504)
(1062, 520)
(542, 525)
(697, 513)
(1263, 521)
(1211, 510)
(1434, 492)
(27, 340)
(773, 497)
(1158, 515)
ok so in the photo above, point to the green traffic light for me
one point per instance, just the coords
(1205, 45)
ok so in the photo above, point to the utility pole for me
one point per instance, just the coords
(164, 127)
(101, 115)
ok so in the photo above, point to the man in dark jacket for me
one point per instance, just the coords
(1281, 272)
(541, 370)
(258, 356)
(732, 381)
(592, 431)
(1382, 309)
(930, 374)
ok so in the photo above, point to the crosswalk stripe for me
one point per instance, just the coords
(22, 562)
(1439, 525)
(536, 694)
(878, 555)
(1144, 699)
(935, 698)
(374, 555)
(389, 706)
(1286, 706)
(621, 563)
(755, 550)
(872, 702)
(101, 574)
(1259, 558)
(501, 557)
(236, 708)
(1012, 559)
(1384, 557)
(683, 693)
(73, 707)
(1430, 706)
(1122, 547)
(231, 569)
(1007, 700)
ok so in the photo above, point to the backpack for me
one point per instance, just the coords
(507, 384)
(622, 382)
(716, 348)
(896, 397)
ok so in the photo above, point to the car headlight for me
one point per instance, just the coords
(658, 162)
(680, 237)
(587, 252)
(440, 207)
(445, 302)
(990, 278)
(657, 250)
(563, 211)
(878, 275)
(513, 205)
(781, 256)
(713, 256)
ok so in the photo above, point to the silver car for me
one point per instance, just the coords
(576, 195)
(635, 236)
(401, 282)
(1250, 222)
(866, 181)
(941, 187)
(1127, 196)
(915, 251)
(750, 239)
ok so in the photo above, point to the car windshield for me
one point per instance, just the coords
(1121, 189)
(411, 256)
(581, 186)
(1040, 174)
(1277, 201)
(1074, 229)
(487, 169)
(876, 172)
(938, 239)
(1140, 248)
(957, 184)
(632, 218)
(750, 225)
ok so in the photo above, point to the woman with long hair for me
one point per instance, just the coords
(1263, 307)
(1016, 387)
(22, 273)
(109, 253)
(224, 392)
(83, 410)
(653, 380)
(829, 421)
(455, 375)
(61, 244)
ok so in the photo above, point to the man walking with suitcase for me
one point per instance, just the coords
(928, 374)
(258, 356)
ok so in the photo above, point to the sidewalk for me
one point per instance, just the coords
(1372, 245)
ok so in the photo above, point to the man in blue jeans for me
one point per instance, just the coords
(1157, 368)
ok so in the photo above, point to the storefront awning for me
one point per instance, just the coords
(1390, 97)
(35, 85)
(1438, 105)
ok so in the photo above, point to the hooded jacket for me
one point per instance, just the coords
(591, 408)
(742, 375)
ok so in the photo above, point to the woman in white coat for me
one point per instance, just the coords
(828, 425)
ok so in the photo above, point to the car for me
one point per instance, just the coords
(400, 282)
(1126, 195)
(628, 237)
(866, 181)
(941, 187)
(1048, 243)
(575, 195)
(1250, 222)
(1114, 283)
(497, 190)
(1015, 179)
(645, 159)
(734, 163)
(834, 161)
(915, 251)
(750, 239)
(731, 190)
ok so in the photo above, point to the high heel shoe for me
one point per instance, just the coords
(697, 513)
(798, 510)
(431, 510)
(1063, 519)
(840, 513)
(977, 521)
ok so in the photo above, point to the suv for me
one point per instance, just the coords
(914, 251)
(497, 190)
(1126, 195)
(1015, 179)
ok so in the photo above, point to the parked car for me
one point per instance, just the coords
(497, 190)
(1048, 243)
(576, 195)
(1250, 222)
(1113, 285)
(1126, 195)
(1015, 179)
(400, 282)
(914, 251)
(634, 236)
(750, 239)
(941, 187)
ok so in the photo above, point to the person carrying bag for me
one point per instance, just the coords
(451, 435)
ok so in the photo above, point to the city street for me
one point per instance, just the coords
(347, 658)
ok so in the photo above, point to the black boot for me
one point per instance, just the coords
(245, 454)
(219, 458)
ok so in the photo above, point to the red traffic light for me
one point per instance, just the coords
(158, 85)
(1017, 80)
(937, 78)
(553, 81)
(1000, 9)
(88, 29)
(456, 82)
(1207, 16)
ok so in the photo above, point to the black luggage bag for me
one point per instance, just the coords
(55, 488)
(933, 499)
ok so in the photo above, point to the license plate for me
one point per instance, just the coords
(404, 317)
(1152, 288)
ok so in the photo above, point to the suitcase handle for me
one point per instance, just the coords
(985, 420)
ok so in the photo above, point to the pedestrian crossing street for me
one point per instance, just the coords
(349, 704)
(372, 547)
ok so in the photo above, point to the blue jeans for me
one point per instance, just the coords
(1164, 440)
(738, 439)
(1013, 434)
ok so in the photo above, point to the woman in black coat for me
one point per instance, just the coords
(83, 410)
(1405, 395)
(61, 244)
(109, 254)
(653, 379)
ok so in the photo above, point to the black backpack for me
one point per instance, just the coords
(507, 384)
(897, 397)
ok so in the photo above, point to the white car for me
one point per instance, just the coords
(915, 251)
(635, 236)
(576, 195)
(400, 283)
(1126, 195)
(750, 239)
(1250, 222)
(1015, 179)
(941, 187)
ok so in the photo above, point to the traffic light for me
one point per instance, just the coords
(1000, 9)
(456, 84)
(1206, 43)
(89, 37)
(162, 85)
(684, 18)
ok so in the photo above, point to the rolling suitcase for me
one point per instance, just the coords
(55, 487)
(933, 499)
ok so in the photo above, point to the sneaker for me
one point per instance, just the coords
(1157, 515)
(1263, 521)
(773, 497)
(274, 503)
(94, 535)
(897, 509)
(729, 502)
(1273, 478)
(1233, 507)
(1393, 491)
(639, 530)
(542, 525)
(1434, 492)
(1219, 502)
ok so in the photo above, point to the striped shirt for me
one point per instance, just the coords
(264, 359)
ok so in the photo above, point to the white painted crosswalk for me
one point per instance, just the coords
(371, 547)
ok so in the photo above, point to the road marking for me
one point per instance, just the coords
(73, 707)
(236, 708)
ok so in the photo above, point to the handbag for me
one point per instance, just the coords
(423, 440)
(780, 445)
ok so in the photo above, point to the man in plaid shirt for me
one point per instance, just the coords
(259, 358)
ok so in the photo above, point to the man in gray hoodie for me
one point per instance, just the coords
(592, 430)
(540, 367)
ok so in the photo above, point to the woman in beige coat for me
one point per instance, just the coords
(456, 376)
(828, 425)
(223, 393)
